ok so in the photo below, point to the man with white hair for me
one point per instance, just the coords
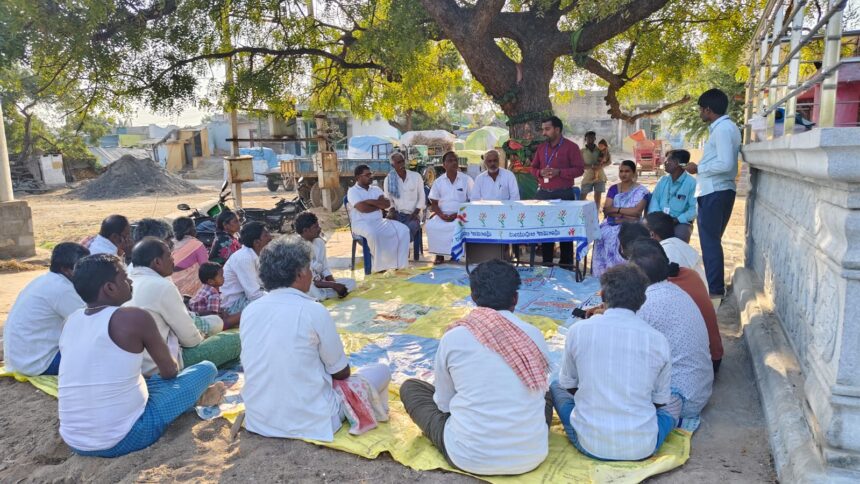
(405, 189)
(496, 183)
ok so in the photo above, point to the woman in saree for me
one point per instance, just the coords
(226, 227)
(625, 202)
(188, 254)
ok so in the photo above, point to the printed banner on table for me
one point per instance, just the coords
(526, 222)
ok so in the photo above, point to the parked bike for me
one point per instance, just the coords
(279, 219)
(204, 217)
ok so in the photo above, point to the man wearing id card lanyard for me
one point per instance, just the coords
(675, 194)
(556, 164)
(715, 184)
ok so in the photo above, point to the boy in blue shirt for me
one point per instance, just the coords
(675, 194)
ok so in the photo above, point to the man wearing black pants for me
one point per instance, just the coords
(715, 184)
(556, 164)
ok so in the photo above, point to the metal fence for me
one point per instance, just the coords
(798, 50)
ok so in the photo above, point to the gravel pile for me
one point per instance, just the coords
(129, 177)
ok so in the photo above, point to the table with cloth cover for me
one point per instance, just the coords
(526, 222)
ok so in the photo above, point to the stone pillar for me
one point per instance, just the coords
(16, 220)
(803, 240)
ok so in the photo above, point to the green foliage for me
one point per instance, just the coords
(686, 118)
(367, 56)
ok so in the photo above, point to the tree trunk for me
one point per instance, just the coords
(409, 119)
(532, 98)
(27, 140)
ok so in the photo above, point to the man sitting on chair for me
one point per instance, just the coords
(388, 239)
(496, 183)
(405, 189)
(447, 194)
(324, 286)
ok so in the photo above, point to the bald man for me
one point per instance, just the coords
(495, 183)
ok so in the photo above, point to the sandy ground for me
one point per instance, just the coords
(731, 445)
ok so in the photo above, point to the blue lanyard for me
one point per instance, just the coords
(549, 157)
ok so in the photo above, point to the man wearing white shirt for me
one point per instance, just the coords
(241, 280)
(715, 184)
(292, 353)
(662, 229)
(31, 335)
(496, 183)
(114, 237)
(447, 194)
(388, 239)
(482, 414)
(324, 285)
(405, 190)
(190, 340)
(671, 311)
(615, 376)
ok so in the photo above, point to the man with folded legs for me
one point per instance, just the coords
(489, 412)
(615, 376)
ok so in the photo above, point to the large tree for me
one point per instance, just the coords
(370, 55)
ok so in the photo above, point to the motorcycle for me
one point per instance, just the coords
(204, 217)
(279, 219)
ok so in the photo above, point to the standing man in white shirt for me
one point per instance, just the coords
(448, 192)
(615, 376)
(241, 280)
(114, 237)
(662, 229)
(31, 335)
(488, 412)
(405, 189)
(388, 239)
(495, 183)
(715, 184)
(291, 354)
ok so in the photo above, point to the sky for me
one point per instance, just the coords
(188, 117)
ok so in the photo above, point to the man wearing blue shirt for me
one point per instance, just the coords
(715, 184)
(675, 194)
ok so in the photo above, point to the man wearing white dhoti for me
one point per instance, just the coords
(388, 239)
(446, 195)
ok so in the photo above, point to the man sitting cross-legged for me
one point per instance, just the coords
(200, 337)
(324, 286)
(106, 407)
(686, 279)
(291, 354)
(673, 312)
(615, 376)
(31, 334)
(662, 230)
(489, 411)
(241, 280)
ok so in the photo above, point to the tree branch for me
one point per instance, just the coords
(139, 18)
(483, 14)
(279, 53)
(616, 112)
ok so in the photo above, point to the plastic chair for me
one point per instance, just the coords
(356, 240)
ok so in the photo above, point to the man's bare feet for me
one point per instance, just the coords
(213, 395)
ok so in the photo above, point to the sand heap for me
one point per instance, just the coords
(129, 177)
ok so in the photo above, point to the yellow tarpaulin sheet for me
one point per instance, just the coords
(401, 438)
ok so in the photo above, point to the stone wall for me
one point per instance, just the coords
(803, 240)
(16, 230)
